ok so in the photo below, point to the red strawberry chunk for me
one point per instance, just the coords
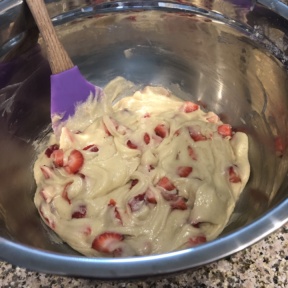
(196, 240)
(177, 132)
(176, 201)
(150, 168)
(91, 148)
(179, 203)
(106, 130)
(184, 171)
(165, 183)
(65, 192)
(46, 171)
(75, 162)
(146, 138)
(196, 224)
(233, 176)
(87, 231)
(169, 196)
(57, 157)
(48, 221)
(133, 183)
(137, 202)
(108, 242)
(279, 146)
(112, 202)
(190, 107)
(196, 135)
(161, 130)
(225, 130)
(131, 145)
(43, 194)
(147, 115)
(51, 149)
(117, 215)
(150, 197)
(82, 176)
(80, 213)
(192, 153)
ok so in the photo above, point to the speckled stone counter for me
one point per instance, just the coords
(265, 264)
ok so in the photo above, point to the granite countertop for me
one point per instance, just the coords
(265, 264)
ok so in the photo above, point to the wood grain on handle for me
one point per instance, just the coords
(57, 55)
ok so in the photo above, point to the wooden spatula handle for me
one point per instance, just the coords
(57, 55)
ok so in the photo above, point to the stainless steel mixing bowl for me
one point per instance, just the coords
(195, 51)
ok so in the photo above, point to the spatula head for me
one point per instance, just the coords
(68, 89)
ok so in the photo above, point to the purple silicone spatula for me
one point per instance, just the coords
(68, 86)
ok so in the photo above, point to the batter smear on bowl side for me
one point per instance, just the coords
(148, 174)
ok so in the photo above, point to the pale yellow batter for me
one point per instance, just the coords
(147, 175)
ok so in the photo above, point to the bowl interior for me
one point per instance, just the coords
(202, 59)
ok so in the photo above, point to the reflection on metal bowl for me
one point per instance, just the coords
(199, 55)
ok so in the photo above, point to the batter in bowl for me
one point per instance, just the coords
(148, 174)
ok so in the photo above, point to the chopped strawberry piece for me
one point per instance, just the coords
(43, 215)
(117, 215)
(112, 203)
(146, 138)
(82, 175)
(87, 231)
(161, 130)
(192, 153)
(91, 148)
(47, 172)
(184, 171)
(189, 107)
(133, 183)
(65, 192)
(43, 194)
(165, 183)
(176, 201)
(51, 149)
(80, 213)
(137, 202)
(114, 122)
(108, 242)
(196, 135)
(177, 132)
(57, 157)
(147, 115)
(49, 222)
(196, 224)
(131, 145)
(179, 203)
(196, 240)
(151, 167)
(279, 146)
(150, 197)
(169, 196)
(106, 130)
(75, 162)
(225, 130)
(233, 176)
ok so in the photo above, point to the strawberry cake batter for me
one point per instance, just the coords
(147, 175)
